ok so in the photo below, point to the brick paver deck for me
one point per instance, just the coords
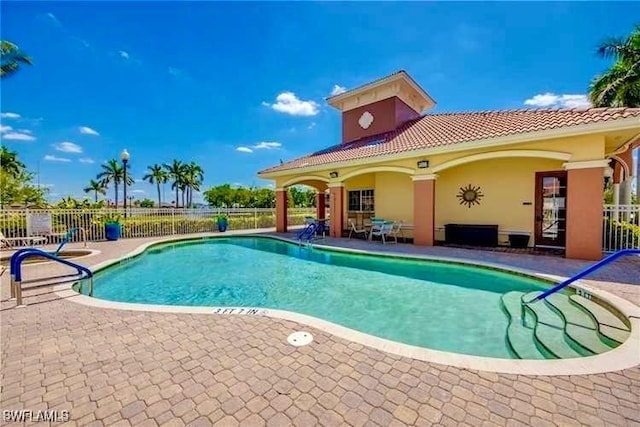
(113, 367)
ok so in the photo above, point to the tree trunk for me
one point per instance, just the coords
(116, 189)
(182, 195)
(159, 201)
(176, 196)
(95, 192)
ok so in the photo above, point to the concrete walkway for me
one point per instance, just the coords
(111, 367)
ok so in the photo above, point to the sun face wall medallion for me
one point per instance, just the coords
(470, 195)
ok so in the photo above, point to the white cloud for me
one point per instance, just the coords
(288, 103)
(260, 146)
(18, 136)
(139, 192)
(176, 72)
(86, 160)
(548, 99)
(267, 145)
(10, 115)
(88, 131)
(337, 90)
(54, 19)
(4, 129)
(124, 54)
(51, 158)
(68, 147)
(311, 125)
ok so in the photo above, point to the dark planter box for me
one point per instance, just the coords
(112, 230)
(222, 225)
(471, 234)
(519, 240)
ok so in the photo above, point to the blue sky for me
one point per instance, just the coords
(238, 86)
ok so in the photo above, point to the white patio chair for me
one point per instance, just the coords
(396, 229)
(8, 242)
(383, 230)
(353, 229)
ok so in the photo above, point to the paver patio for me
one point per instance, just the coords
(116, 367)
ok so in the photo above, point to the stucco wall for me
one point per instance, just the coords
(506, 185)
(394, 196)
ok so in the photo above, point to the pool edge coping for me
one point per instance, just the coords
(622, 357)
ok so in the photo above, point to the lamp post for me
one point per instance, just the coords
(124, 156)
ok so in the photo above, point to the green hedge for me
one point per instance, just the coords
(621, 235)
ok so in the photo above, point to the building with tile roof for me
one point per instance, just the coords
(535, 172)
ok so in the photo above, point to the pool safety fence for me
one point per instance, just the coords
(621, 227)
(139, 222)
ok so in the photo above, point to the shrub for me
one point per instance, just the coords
(621, 234)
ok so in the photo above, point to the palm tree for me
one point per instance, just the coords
(620, 85)
(175, 171)
(113, 172)
(193, 176)
(96, 187)
(10, 58)
(10, 163)
(158, 176)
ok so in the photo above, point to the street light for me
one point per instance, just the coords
(124, 156)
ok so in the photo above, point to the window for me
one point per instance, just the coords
(361, 201)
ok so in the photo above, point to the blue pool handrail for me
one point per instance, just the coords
(307, 233)
(67, 237)
(583, 273)
(15, 265)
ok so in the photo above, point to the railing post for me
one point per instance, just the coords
(255, 217)
(18, 292)
(173, 221)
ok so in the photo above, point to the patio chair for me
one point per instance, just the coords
(396, 229)
(353, 229)
(8, 242)
(383, 230)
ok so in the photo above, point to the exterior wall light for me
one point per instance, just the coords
(333, 174)
(423, 164)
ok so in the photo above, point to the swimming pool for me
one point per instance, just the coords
(449, 307)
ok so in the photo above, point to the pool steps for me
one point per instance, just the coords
(561, 326)
(610, 326)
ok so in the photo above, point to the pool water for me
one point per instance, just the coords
(440, 306)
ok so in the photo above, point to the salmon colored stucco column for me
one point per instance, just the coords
(336, 209)
(424, 204)
(281, 210)
(320, 205)
(585, 185)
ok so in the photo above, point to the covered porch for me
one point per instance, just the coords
(537, 198)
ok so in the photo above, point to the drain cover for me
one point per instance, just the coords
(300, 338)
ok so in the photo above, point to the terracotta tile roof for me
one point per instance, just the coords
(437, 130)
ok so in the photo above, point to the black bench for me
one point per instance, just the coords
(471, 234)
